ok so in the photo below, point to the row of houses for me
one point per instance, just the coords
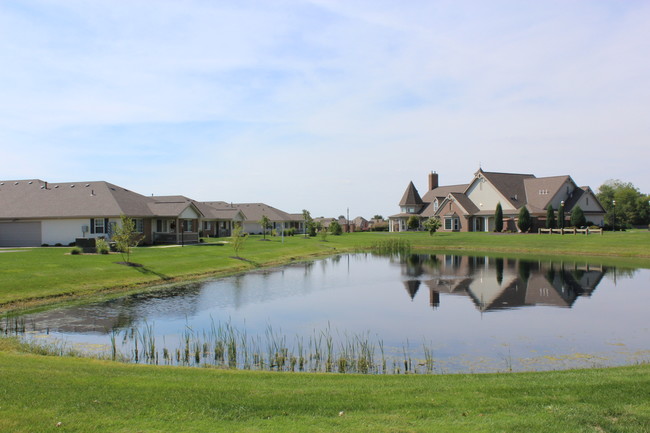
(35, 212)
(358, 224)
(471, 207)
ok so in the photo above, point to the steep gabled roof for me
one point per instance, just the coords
(510, 185)
(411, 196)
(541, 190)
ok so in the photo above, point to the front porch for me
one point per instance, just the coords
(176, 231)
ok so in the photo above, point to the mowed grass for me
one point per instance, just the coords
(58, 394)
(35, 276)
(39, 392)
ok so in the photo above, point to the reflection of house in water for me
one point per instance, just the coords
(500, 283)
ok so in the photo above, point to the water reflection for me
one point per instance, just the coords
(398, 302)
(499, 283)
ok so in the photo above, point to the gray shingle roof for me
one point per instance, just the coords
(411, 196)
(511, 185)
(38, 199)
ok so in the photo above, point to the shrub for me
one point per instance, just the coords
(75, 251)
(58, 244)
(432, 225)
(335, 228)
(45, 245)
(578, 217)
(498, 218)
(101, 246)
(524, 223)
(413, 223)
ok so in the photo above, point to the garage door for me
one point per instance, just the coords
(20, 234)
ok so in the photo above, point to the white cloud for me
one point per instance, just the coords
(322, 104)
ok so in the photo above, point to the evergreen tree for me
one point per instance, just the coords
(578, 217)
(524, 221)
(550, 217)
(498, 218)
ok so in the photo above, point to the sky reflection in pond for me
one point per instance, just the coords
(474, 313)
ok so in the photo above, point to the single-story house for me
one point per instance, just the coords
(35, 212)
(471, 207)
(253, 213)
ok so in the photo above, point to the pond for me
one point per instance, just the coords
(374, 314)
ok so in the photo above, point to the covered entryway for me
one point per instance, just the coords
(20, 234)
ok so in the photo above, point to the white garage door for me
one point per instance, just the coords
(20, 234)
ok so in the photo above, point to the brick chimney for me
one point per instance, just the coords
(433, 180)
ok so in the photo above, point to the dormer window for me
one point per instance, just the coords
(435, 205)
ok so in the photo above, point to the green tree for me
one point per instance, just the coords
(265, 222)
(560, 216)
(550, 217)
(632, 207)
(308, 221)
(578, 217)
(378, 217)
(432, 224)
(498, 218)
(413, 223)
(237, 239)
(524, 223)
(126, 237)
(335, 228)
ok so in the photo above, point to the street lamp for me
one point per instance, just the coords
(614, 214)
(560, 216)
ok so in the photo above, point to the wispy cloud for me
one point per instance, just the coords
(321, 104)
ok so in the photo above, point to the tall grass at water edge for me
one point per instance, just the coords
(391, 247)
(225, 346)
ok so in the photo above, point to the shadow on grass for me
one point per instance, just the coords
(254, 263)
(144, 270)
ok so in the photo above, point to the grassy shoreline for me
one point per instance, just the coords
(44, 277)
(41, 393)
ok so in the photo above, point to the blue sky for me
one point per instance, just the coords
(322, 105)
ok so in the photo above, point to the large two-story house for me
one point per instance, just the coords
(472, 206)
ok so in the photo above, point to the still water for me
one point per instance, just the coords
(448, 313)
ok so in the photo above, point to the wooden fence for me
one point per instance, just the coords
(571, 230)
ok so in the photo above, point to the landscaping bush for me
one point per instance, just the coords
(58, 244)
(75, 251)
(101, 246)
(335, 228)
(524, 222)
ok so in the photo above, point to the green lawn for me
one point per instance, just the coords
(37, 392)
(29, 277)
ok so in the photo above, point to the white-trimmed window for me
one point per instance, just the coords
(452, 223)
(207, 225)
(99, 226)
